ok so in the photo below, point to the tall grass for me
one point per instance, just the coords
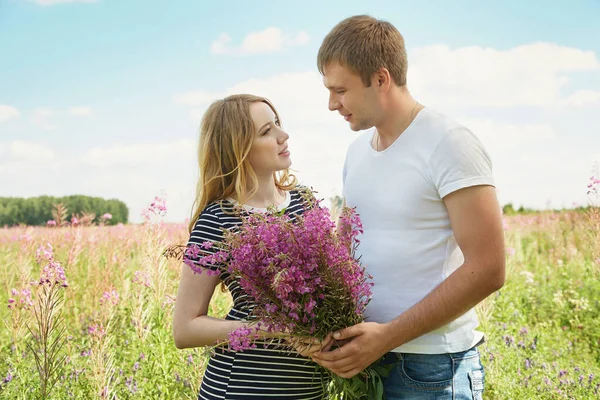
(542, 328)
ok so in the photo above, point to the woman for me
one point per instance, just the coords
(244, 160)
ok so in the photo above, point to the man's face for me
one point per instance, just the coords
(349, 96)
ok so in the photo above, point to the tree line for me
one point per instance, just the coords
(60, 211)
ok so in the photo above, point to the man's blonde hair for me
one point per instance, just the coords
(227, 132)
(364, 45)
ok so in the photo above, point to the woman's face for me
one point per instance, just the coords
(269, 152)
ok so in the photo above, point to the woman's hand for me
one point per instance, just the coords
(308, 346)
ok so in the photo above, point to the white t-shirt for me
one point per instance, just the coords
(408, 245)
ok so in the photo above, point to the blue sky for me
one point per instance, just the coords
(104, 97)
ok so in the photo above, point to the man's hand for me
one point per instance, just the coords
(368, 341)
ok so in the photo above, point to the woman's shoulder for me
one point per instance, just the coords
(303, 196)
(219, 212)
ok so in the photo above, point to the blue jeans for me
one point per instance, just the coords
(452, 376)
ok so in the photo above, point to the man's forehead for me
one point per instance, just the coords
(335, 74)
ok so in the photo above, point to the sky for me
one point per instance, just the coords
(104, 97)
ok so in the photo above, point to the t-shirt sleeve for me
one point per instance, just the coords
(459, 161)
(204, 241)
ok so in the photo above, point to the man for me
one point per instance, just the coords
(433, 236)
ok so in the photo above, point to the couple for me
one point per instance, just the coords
(433, 236)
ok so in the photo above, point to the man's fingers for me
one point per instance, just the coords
(346, 350)
(342, 365)
(348, 333)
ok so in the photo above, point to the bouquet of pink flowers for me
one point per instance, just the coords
(304, 279)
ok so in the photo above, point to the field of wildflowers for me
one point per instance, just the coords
(86, 311)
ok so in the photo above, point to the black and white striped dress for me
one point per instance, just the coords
(261, 373)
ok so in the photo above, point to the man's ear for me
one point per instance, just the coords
(383, 78)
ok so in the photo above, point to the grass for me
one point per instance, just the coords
(542, 328)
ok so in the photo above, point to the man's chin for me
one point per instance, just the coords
(358, 128)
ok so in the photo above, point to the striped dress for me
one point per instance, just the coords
(267, 372)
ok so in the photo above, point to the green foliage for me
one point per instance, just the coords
(541, 328)
(37, 211)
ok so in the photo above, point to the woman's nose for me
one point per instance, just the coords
(283, 137)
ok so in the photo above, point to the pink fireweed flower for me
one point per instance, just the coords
(53, 274)
(158, 208)
(20, 299)
(141, 278)
(26, 237)
(51, 223)
(44, 253)
(593, 185)
(239, 339)
(110, 298)
(296, 271)
(106, 216)
(96, 331)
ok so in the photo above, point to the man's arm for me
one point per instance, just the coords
(476, 220)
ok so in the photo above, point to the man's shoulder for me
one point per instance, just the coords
(437, 128)
(439, 123)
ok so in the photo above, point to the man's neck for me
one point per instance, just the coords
(401, 111)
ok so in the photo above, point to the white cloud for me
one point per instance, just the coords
(26, 151)
(535, 159)
(8, 112)
(80, 111)
(42, 119)
(56, 2)
(132, 173)
(499, 136)
(136, 155)
(221, 45)
(528, 75)
(270, 40)
(582, 98)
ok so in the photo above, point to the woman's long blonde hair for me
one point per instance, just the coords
(227, 132)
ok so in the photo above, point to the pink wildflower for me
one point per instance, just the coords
(96, 331)
(110, 298)
(44, 253)
(53, 274)
(20, 299)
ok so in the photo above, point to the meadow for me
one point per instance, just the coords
(106, 333)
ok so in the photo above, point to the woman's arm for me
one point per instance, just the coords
(192, 327)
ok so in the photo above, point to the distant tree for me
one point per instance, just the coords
(40, 210)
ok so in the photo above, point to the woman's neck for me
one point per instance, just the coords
(267, 194)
